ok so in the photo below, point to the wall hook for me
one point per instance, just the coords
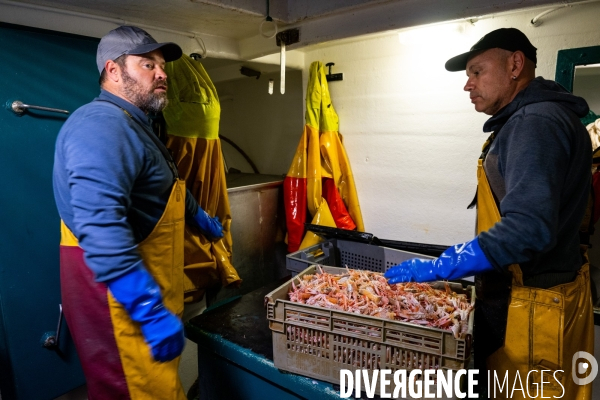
(249, 72)
(333, 77)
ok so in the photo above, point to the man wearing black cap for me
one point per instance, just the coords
(533, 308)
(123, 210)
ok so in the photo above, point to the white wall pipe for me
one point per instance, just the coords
(536, 21)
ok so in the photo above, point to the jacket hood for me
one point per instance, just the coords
(539, 90)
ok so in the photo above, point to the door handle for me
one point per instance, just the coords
(19, 108)
(50, 339)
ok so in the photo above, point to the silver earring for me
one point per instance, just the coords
(514, 78)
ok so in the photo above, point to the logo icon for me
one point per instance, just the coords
(581, 367)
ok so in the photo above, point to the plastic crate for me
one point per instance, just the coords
(342, 253)
(319, 342)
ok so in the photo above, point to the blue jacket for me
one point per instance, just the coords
(111, 183)
(539, 168)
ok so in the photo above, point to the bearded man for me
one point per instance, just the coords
(123, 210)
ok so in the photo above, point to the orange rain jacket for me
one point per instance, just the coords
(320, 179)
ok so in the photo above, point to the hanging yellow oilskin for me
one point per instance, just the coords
(319, 182)
(192, 124)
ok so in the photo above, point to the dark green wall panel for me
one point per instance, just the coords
(54, 70)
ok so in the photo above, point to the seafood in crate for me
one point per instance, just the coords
(368, 293)
(320, 341)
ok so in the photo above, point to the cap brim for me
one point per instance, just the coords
(171, 51)
(459, 63)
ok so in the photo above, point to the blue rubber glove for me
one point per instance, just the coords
(140, 295)
(210, 227)
(461, 260)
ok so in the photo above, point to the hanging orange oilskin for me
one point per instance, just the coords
(192, 126)
(319, 182)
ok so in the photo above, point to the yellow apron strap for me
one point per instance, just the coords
(545, 327)
(66, 236)
(487, 210)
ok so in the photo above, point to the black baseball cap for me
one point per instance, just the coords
(132, 40)
(510, 39)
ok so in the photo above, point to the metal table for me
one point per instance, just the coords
(235, 354)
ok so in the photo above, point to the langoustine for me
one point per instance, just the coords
(369, 293)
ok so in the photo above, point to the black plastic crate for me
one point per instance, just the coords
(354, 255)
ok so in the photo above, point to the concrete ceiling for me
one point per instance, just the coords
(227, 31)
(181, 15)
(240, 19)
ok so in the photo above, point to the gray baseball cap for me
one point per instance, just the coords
(132, 40)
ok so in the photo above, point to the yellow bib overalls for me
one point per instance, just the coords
(545, 327)
(116, 360)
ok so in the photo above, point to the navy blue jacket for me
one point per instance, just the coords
(539, 167)
(111, 183)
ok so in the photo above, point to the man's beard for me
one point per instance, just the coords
(148, 102)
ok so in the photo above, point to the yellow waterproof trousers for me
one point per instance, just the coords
(545, 328)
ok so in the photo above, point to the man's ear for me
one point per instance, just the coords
(517, 62)
(113, 71)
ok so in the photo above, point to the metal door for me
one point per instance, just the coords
(56, 70)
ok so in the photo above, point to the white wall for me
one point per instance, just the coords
(267, 127)
(412, 135)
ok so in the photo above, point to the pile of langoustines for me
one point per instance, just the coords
(369, 293)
